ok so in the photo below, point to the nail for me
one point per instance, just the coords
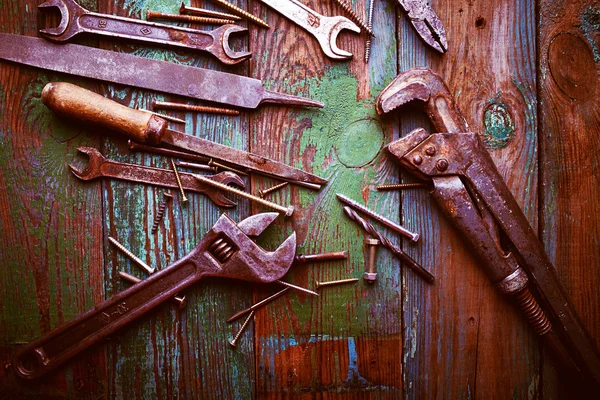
(400, 186)
(401, 230)
(243, 13)
(203, 11)
(187, 18)
(180, 301)
(258, 305)
(161, 211)
(131, 255)
(288, 211)
(133, 146)
(370, 274)
(339, 282)
(262, 193)
(244, 325)
(190, 107)
(183, 198)
(338, 255)
(163, 116)
(299, 288)
(201, 167)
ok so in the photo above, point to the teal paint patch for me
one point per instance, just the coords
(360, 143)
(499, 128)
(590, 25)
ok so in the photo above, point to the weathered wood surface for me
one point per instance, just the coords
(399, 338)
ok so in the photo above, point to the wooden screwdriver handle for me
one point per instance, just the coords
(81, 104)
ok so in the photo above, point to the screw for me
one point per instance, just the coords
(161, 211)
(180, 301)
(243, 13)
(442, 164)
(348, 8)
(187, 18)
(244, 325)
(370, 275)
(262, 193)
(288, 211)
(259, 304)
(339, 255)
(184, 199)
(190, 107)
(163, 116)
(330, 283)
(370, 25)
(203, 11)
(131, 255)
(301, 289)
(400, 186)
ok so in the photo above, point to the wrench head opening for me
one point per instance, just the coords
(233, 254)
(330, 48)
(95, 159)
(69, 10)
(226, 178)
(229, 56)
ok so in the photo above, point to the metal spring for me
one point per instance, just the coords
(533, 312)
(221, 250)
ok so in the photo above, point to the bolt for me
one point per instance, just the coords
(183, 198)
(442, 164)
(370, 275)
(348, 8)
(131, 255)
(338, 255)
(244, 325)
(203, 11)
(180, 301)
(161, 211)
(243, 13)
(187, 18)
(417, 160)
(301, 289)
(259, 304)
(288, 211)
(430, 150)
(339, 282)
(400, 186)
(166, 105)
(262, 193)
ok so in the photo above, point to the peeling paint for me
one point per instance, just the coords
(499, 128)
(590, 25)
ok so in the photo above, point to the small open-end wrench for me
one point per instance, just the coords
(324, 29)
(100, 167)
(225, 251)
(76, 19)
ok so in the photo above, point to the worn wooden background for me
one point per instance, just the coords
(524, 73)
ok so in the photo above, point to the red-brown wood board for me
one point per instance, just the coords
(524, 74)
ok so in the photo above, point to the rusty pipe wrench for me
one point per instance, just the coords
(225, 251)
(76, 19)
(100, 167)
(472, 194)
(324, 29)
(73, 101)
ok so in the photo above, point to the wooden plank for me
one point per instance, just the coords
(348, 340)
(569, 126)
(462, 339)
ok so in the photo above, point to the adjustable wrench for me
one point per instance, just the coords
(324, 29)
(225, 251)
(472, 194)
(99, 166)
(76, 19)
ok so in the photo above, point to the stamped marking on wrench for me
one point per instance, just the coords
(76, 19)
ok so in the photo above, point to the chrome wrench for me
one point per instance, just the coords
(76, 19)
(324, 29)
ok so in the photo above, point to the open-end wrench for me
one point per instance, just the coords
(100, 167)
(225, 251)
(76, 19)
(471, 192)
(324, 29)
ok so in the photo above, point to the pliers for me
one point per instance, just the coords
(426, 22)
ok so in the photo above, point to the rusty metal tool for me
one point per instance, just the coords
(75, 102)
(100, 167)
(473, 195)
(225, 251)
(179, 301)
(387, 243)
(76, 19)
(141, 72)
(324, 29)
(426, 23)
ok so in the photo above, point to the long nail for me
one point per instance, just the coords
(163, 116)
(338, 282)
(338, 255)
(131, 255)
(258, 305)
(299, 288)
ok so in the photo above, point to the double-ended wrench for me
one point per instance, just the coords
(76, 19)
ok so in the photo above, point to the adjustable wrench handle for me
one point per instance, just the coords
(59, 345)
